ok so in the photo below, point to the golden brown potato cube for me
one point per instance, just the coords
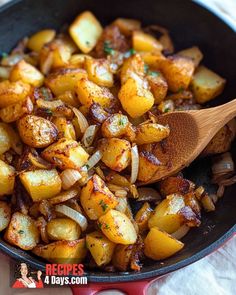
(88, 92)
(22, 232)
(133, 64)
(100, 247)
(13, 137)
(166, 215)
(117, 227)
(122, 256)
(153, 59)
(145, 42)
(39, 39)
(5, 215)
(99, 71)
(41, 184)
(68, 252)
(116, 153)
(64, 80)
(151, 132)
(27, 73)
(159, 245)
(206, 84)
(127, 25)
(192, 202)
(135, 98)
(37, 132)
(158, 85)
(142, 217)
(194, 53)
(63, 229)
(178, 72)
(7, 179)
(96, 199)
(175, 184)
(65, 128)
(13, 92)
(148, 165)
(78, 60)
(85, 31)
(66, 153)
(5, 140)
(115, 126)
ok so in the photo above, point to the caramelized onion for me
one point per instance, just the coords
(89, 135)
(69, 177)
(134, 164)
(94, 159)
(181, 232)
(83, 123)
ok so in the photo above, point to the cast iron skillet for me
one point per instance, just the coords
(189, 24)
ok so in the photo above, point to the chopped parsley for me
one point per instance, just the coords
(48, 112)
(107, 226)
(87, 166)
(122, 121)
(45, 93)
(103, 205)
(153, 74)
(146, 68)
(99, 225)
(181, 89)
(21, 232)
(166, 110)
(107, 48)
(129, 53)
(87, 43)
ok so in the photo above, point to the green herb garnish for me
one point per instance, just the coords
(99, 224)
(48, 112)
(21, 232)
(146, 68)
(153, 74)
(107, 226)
(122, 122)
(107, 48)
(166, 110)
(180, 89)
(103, 205)
(132, 51)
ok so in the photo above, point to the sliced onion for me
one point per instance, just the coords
(114, 188)
(148, 194)
(181, 232)
(73, 214)
(93, 160)
(83, 123)
(11, 60)
(39, 162)
(50, 105)
(122, 205)
(223, 164)
(229, 181)
(69, 177)
(121, 193)
(89, 135)
(47, 64)
(65, 196)
(134, 164)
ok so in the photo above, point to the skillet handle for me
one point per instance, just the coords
(129, 288)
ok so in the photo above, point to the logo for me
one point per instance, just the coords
(24, 278)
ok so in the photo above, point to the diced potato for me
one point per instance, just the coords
(13, 92)
(14, 138)
(41, 184)
(166, 106)
(175, 184)
(117, 227)
(151, 132)
(64, 127)
(145, 42)
(115, 126)
(159, 245)
(7, 179)
(191, 201)
(88, 92)
(99, 71)
(22, 232)
(85, 31)
(69, 98)
(178, 72)
(194, 53)
(100, 247)
(206, 84)
(64, 80)
(36, 131)
(122, 256)
(127, 25)
(133, 64)
(96, 199)
(148, 165)
(39, 39)
(27, 73)
(5, 140)
(63, 229)
(142, 217)
(66, 153)
(78, 60)
(166, 215)
(153, 59)
(5, 215)
(67, 252)
(116, 153)
(135, 98)
(158, 84)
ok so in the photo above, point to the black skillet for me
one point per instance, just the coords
(190, 24)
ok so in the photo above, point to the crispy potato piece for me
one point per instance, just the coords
(158, 84)
(96, 199)
(116, 153)
(136, 100)
(5, 140)
(88, 92)
(145, 42)
(192, 202)
(7, 179)
(36, 131)
(117, 227)
(153, 59)
(189, 217)
(13, 136)
(175, 184)
(133, 64)
(142, 217)
(41, 184)
(148, 165)
(99, 71)
(27, 73)
(85, 31)
(98, 113)
(166, 215)
(151, 132)
(64, 80)
(127, 25)
(13, 92)
(66, 153)
(100, 247)
(206, 84)
(62, 251)
(64, 127)
(69, 98)
(22, 232)
(39, 39)
(194, 53)
(115, 126)
(63, 229)
(122, 256)
(159, 245)
(5, 215)
(178, 72)
(78, 60)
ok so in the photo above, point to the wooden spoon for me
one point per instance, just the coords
(190, 132)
